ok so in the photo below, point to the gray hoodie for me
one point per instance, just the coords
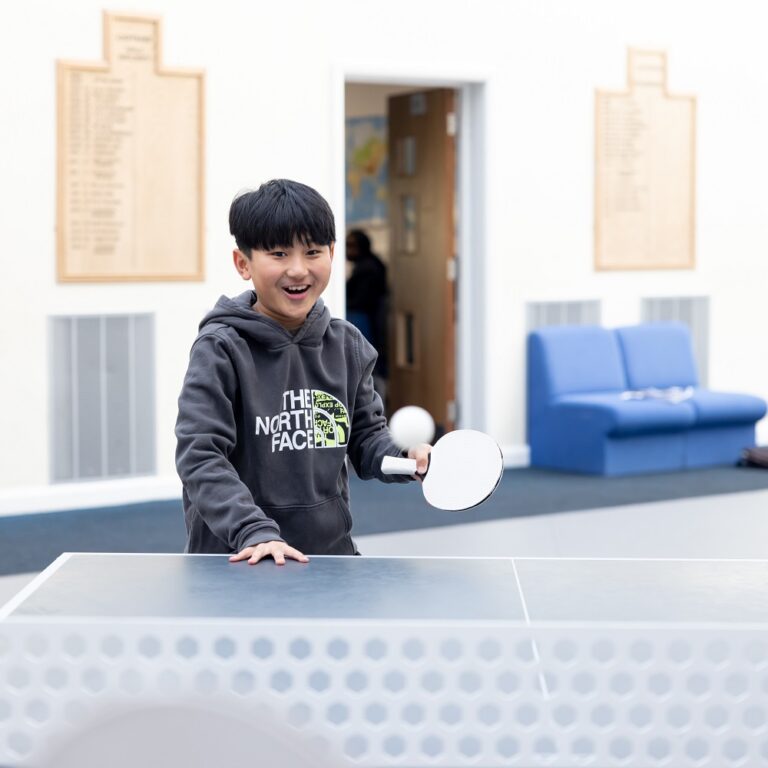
(265, 421)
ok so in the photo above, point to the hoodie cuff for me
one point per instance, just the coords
(259, 536)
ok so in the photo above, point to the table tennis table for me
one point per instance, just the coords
(386, 661)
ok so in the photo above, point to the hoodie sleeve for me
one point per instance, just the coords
(371, 439)
(206, 434)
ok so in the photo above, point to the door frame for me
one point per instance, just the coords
(472, 195)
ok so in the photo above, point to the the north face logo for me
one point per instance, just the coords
(309, 418)
(331, 420)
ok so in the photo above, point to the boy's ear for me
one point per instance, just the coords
(242, 264)
(332, 247)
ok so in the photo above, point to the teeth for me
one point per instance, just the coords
(296, 288)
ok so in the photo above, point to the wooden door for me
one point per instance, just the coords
(422, 163)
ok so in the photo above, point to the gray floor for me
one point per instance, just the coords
(723, 526)
(10, 585)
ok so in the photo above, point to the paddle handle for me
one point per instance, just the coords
(392, 465)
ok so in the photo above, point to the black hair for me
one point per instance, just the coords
(277, 214)
(362, 240)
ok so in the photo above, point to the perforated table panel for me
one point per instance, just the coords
(403, 662)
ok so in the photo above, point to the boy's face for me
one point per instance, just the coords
(288, 280)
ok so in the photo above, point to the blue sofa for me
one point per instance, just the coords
(626, 401)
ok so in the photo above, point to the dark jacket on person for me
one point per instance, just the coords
(367, 285)
(266, 420)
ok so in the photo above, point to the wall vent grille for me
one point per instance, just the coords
(102, 396)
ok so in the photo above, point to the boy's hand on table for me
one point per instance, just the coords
(420, 452)
(278, 550)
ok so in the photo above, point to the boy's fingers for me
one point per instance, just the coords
(246, 553)
(421, 454)
(277, 551)
(279, 558)
(258, 552)
(296, 555)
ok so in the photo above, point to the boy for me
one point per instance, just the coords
(277, 394)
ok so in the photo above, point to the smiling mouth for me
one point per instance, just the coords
(296, 291)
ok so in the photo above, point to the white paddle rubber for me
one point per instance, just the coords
(465, 468)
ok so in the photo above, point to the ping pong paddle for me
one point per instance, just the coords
(465, 467)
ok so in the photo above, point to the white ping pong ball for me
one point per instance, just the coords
(410, 426)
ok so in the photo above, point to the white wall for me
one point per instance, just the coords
(544, 143)
(270, 112)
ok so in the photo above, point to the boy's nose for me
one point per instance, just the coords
(296, 267)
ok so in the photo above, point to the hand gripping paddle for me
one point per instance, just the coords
(465, 467)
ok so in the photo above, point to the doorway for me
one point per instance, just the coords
(402, 216)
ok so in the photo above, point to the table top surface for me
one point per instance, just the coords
(520, 590)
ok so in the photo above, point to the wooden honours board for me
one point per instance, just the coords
(645, 171)
(130, 162)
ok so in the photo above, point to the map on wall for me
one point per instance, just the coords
(130, 162)
(366, 170)
(645, 172)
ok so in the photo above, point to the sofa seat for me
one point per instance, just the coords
(608, 414)
(718, 408)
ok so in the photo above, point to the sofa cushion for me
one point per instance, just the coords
(609, 414)
(725, 408)
(575, 358)
(657, 355)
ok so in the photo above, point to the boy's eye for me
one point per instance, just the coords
(278, 253)
(313, 252)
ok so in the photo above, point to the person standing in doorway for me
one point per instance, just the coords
(367, 298)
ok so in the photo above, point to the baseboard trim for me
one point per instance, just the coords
(100, 493)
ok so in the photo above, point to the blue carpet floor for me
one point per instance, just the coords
(30, 542)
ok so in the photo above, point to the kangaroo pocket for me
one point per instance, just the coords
(316, 529)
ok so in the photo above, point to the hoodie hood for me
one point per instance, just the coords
(238, 313)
